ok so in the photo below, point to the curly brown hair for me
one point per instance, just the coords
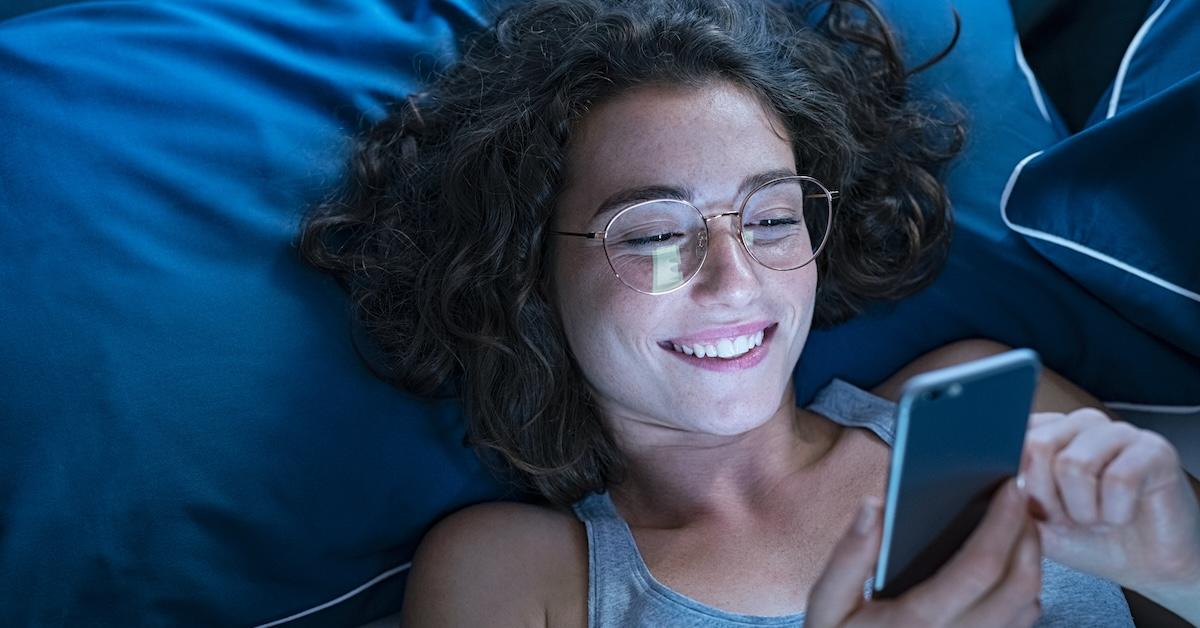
(440, 231)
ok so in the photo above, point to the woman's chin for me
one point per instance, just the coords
(730, 418)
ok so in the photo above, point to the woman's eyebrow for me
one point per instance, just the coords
(754, 181)
(629, 196)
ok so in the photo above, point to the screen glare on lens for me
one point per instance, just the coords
(657, 246)
(665, 274)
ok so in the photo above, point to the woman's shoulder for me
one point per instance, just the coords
(509, 518)
(500, 563)
(511, 532)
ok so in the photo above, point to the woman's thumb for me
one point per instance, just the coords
(839, 590)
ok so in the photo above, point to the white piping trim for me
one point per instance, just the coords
(1030, 78)
(1075, 246)
(1012, 181)
(1124, 67)
(342, 598)
(1141, 407)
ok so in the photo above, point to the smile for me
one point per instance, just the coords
(723, 348)
(726, 349)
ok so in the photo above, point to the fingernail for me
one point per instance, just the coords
(866, 517)
(1036, 510)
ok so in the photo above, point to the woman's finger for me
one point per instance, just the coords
(1027, 616)
(1125, 478)
(1119, 490)
(838, 593)
(1078, 467)
(1041, 418)
(1006, 604)
(1042, 444)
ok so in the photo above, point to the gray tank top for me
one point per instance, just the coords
(622, 593)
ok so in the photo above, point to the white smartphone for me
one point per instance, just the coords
(959, 434)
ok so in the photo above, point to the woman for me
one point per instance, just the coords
(612, 224)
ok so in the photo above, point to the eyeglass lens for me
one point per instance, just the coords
(657, 246)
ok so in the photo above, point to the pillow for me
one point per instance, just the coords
(1111, 207)
(188, 436)
(995, 284)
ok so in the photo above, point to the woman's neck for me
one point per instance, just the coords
(675, 477)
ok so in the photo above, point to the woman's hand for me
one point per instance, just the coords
(994, 579)
(1117, 504)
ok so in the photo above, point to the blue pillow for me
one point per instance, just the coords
(995, 284)
(187, 436)
(1113, 206)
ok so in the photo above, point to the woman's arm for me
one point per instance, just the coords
(499, 564)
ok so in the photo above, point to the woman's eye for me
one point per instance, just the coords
(657, 238)
(774, 222)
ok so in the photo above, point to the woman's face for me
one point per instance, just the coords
(708, 142)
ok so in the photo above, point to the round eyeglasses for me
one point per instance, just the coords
(657, 246)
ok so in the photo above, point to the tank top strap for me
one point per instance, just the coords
(606, 529)
(614, 565)
(849, 405)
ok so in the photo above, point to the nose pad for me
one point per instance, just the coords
(732, 278)
(735, 233)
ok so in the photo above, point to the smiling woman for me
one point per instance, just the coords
(614, 224)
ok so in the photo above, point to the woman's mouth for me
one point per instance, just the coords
(724, 348)
(730, 353)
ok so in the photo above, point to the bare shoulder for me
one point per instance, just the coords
(1054, 393)
(500, 563)
(947, 355)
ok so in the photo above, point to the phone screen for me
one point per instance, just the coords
(959, 434)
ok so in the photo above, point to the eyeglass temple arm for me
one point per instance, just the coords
(590, 235)
(832, 194)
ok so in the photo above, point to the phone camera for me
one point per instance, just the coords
(953, 390)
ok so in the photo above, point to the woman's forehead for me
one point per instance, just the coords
(705, 139)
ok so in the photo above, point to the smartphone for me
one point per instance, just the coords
(959, 434)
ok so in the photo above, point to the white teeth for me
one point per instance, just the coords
(724, 348)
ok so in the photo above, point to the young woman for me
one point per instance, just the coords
(612, 225)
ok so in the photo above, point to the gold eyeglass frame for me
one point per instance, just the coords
(602, 236)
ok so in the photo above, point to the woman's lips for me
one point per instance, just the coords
(747, 360)
(727, 331)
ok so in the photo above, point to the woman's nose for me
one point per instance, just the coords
(729, 276)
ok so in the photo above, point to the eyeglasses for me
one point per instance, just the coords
(657, 246)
